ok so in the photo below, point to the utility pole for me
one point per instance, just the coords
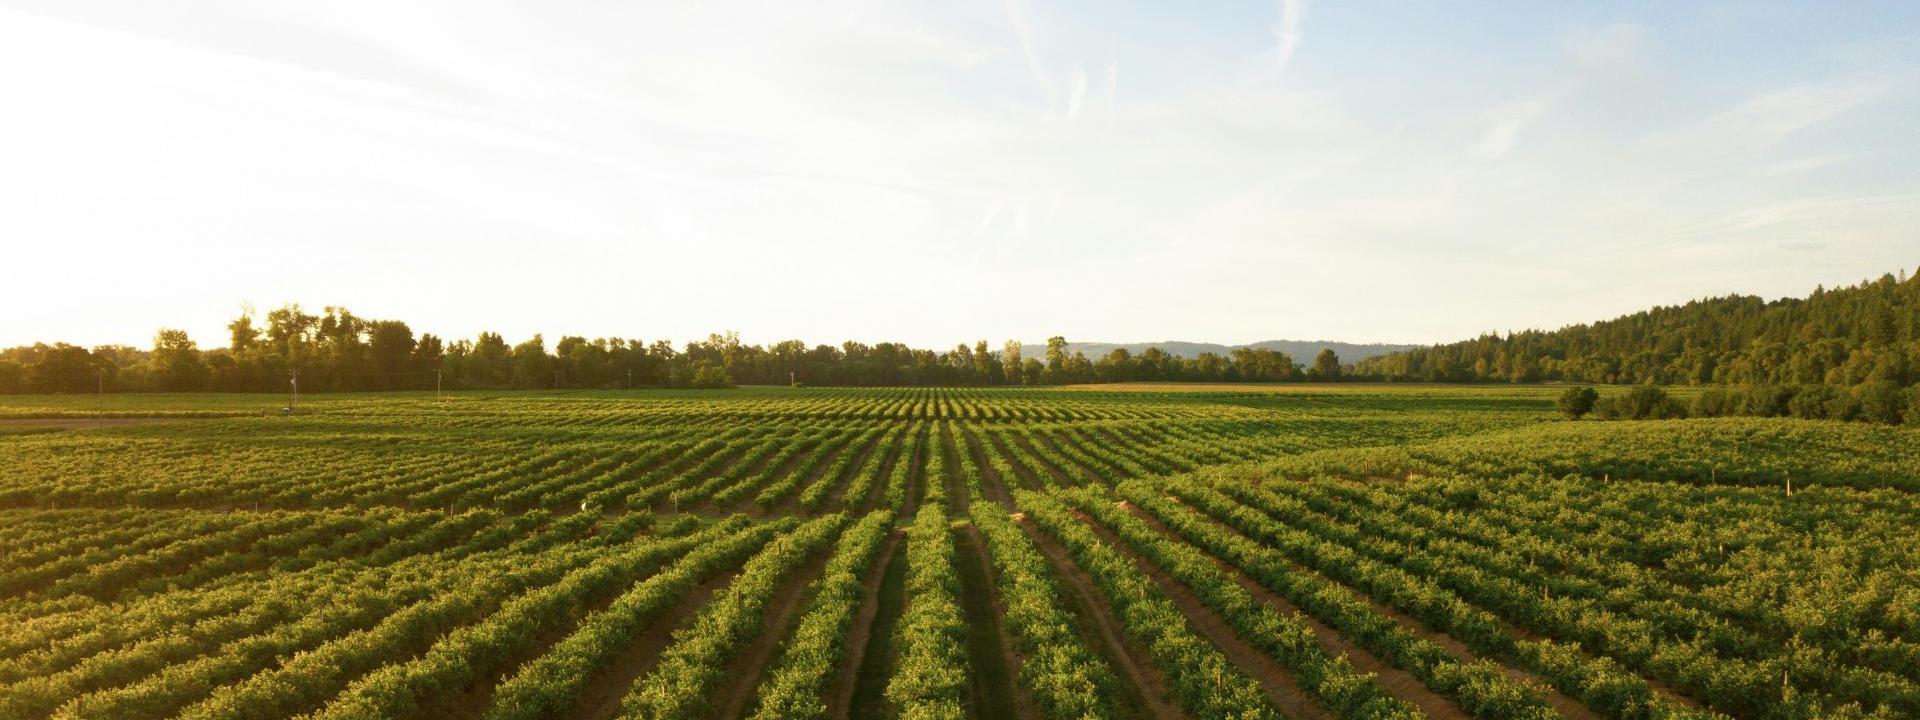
(293, 382)
(436, 384)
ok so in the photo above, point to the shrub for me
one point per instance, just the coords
(1713, 402)
(1643, 402)
(1880, 402)
(1812, 402)
(1577, 401)
(1765, 400)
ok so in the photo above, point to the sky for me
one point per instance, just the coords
(939, 172)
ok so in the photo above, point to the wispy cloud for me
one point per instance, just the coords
(1113, 82)
(1286, 33)
(1023, 29)
(1507, 123)
(1077, 92)
(1771, 117)
(1613, 46)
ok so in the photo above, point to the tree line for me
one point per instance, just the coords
(1868, 333)
(336, 350)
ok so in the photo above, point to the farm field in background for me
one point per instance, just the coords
(1131, 551)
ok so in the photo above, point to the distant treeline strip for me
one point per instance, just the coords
(339, 351)
(1847, 336)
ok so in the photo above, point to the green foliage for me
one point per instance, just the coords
(395, 556)
(796, 688)
(1065, 677)
(930, 676)
(679, 685)
(1642, 402)
(1846, 336)
(1576, 402)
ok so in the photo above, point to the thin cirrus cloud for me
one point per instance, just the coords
(931, 172)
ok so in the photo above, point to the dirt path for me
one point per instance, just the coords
(917, 475)
(1026, 476)
(762, 468)
(609, 686)
(890, 569)
(473, 700)
(882, 473)
(1064, 470)
(1279, 684)
(1093, 470)
(790, 505)
(992, 485)
(665, 504)
(735, 693)
(1143, 689)
(838, 495)
(1397, 682)
(991, 663)
(1565, 705)
(959, 496)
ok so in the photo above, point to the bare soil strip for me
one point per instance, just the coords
(917, 478)
(881, 474)
(838, 495)
(991, 484)
(959, 498)
(706, 506)
(1397, 682)
(473, 700)
(790, 505)
(1281, 688)
(736, 691)
(610, 685)
(991, 664)
(865, 652)
(1143, 688)
(1027, 478)
(1068, 471)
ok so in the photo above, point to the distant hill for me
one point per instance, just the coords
(1301, 350)
(1868, 332)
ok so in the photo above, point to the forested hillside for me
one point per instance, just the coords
(1845, 336)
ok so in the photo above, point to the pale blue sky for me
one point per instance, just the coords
(939, 172)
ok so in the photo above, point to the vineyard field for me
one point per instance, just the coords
(1130, 551)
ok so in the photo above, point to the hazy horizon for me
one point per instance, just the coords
(931, 174)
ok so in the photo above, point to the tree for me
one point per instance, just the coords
(390, 348)
(1056, 358)
(1326, 366)
(1011, 367)
(241, 333)
(532, 367)
(1033, 372)
(710, 377)
(1880, 401)
(1577, 401)
(489, 362)
(13, 377)
(985, 370)
(175, 364)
